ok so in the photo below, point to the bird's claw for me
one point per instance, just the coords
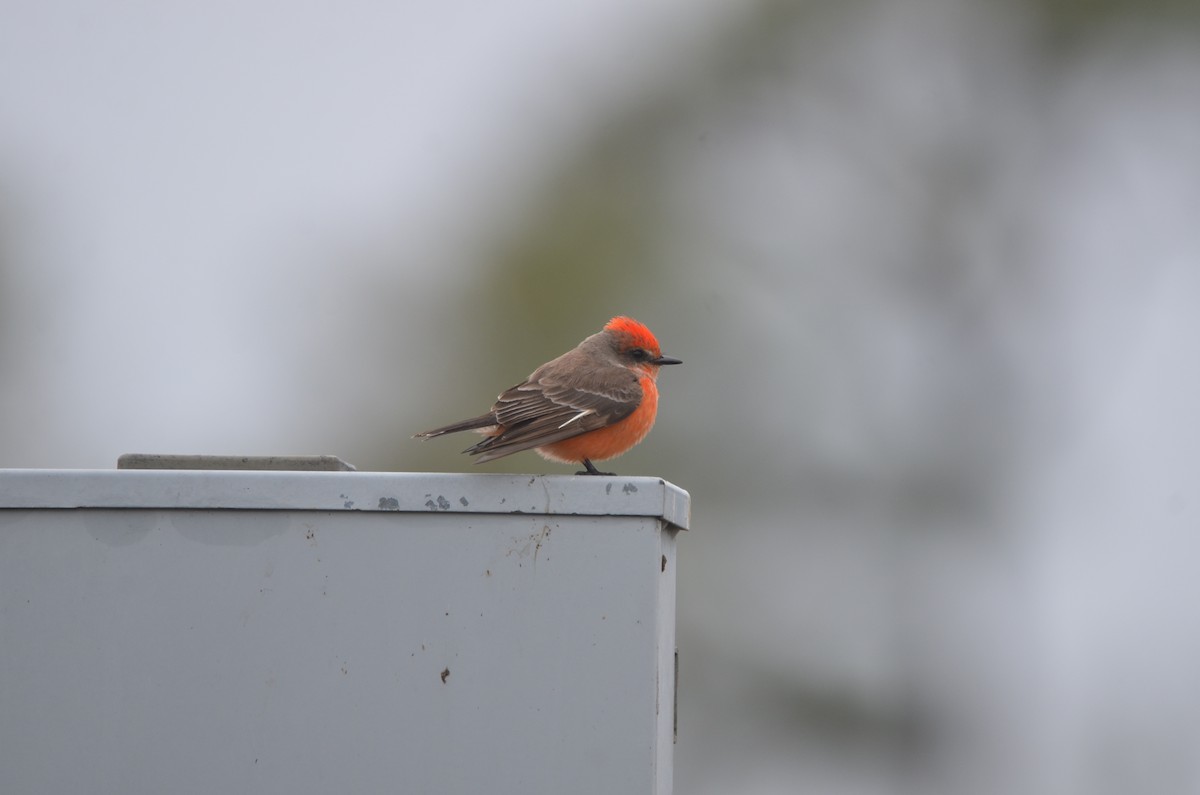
(591, 470)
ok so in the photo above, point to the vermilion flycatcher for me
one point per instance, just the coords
(590, 404)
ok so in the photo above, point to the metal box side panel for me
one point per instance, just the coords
(203, 651)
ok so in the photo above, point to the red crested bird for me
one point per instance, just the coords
(590, 404)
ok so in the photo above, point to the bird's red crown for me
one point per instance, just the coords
(633, 334)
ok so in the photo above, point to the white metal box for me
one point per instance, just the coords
(317, 632)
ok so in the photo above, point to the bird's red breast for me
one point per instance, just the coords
(610, 441)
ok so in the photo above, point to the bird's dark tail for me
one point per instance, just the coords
(482, 421)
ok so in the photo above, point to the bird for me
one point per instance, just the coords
(593, 403)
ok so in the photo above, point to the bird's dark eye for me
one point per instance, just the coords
(639, 354)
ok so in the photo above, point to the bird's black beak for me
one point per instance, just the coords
(666, 360)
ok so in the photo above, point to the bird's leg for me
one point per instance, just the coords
(591, 470)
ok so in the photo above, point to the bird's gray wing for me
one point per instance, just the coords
(553, 406)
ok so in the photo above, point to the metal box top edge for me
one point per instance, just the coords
(405, 492)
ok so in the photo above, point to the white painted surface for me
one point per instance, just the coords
(232, 650)
(341, 491)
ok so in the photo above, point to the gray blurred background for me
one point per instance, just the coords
(933, 267)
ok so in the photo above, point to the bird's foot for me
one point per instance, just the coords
(591, 470)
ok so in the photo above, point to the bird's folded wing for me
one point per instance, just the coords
(545, 410)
